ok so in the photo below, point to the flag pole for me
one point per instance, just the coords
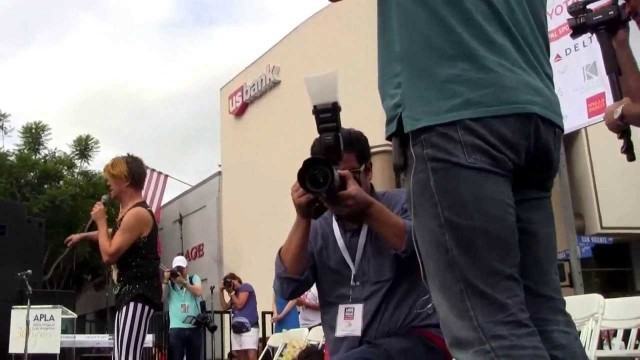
(171, 177)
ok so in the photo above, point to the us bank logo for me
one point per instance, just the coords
(241, 98)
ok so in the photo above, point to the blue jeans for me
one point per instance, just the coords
(480, 195)
(401, 347)
(185, 341)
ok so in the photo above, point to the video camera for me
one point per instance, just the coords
(604, 22)
(585, 20)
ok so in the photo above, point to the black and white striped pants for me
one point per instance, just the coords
(132, 322)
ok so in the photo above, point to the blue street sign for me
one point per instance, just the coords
(585, 244)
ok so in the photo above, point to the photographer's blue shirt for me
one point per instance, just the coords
(390, 286)
(182, 303)
(442, 61)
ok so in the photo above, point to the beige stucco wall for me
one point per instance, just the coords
(262, 151)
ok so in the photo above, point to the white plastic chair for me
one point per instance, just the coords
(291, 335)
(622, 315)
(316, 336)
(586, 312)
(274, 342)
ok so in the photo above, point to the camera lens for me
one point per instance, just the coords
(318, 179)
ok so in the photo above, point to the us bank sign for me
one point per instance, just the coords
(241, 98)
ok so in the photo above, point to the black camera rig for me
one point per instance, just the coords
(604, 22)
(318, 175)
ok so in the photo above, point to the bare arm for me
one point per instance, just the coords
(223, 303)
(631, 114)
(239, 300)
(308, 304)
(135, 224)
(195, 289)
(290, 305)
(293, 253)
(274, 308)
(630, 79)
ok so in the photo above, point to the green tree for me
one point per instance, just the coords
(57, 186)
(5, 126)
(84, 148)
(34, 137)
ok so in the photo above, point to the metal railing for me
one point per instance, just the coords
(215, 347)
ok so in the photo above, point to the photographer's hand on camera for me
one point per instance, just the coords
(352, 203)
(302, 201)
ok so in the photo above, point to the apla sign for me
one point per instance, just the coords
(241, 98)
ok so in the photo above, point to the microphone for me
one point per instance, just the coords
(25, 273)
(104, 199)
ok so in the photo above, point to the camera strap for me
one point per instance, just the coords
(345, 252)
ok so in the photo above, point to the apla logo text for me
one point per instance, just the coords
(240, 99)
(43, 317)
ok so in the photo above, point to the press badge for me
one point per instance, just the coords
(184, 308)
(349, 320)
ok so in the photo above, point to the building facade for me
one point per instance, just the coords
(267, 128)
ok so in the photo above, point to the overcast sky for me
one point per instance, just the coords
(142, 76)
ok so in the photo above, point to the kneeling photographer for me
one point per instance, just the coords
(182, 292)
(626, 111)
(360, 254)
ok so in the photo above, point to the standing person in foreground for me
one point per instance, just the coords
(131, 249)
(243, 304)
(468, 86)
(361, 256)
(182, 291)
(626, 111)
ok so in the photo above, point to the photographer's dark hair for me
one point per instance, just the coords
(353, 141)
(232, 276)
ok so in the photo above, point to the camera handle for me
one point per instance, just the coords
(612, 68)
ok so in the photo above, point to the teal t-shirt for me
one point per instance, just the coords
(182, 303)
(447, 60)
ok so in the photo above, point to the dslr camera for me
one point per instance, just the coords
(227, 283)
(318, 175)
(203, 320)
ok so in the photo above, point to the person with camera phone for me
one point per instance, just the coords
(181, 292)
(243, 304)
(626, 111)
(361, 256)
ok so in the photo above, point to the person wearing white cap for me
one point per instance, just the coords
(181, 292)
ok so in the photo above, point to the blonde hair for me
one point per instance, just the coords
(128, 168)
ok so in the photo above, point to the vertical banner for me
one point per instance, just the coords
(44, 331)
(581, 83)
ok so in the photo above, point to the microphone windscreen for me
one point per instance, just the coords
(104, 199)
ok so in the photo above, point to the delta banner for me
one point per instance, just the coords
(581, 83)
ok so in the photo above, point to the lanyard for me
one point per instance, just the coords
(345, 252)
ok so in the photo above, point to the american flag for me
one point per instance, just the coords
(153, 192)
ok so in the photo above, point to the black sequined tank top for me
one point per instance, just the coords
(136, 273)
